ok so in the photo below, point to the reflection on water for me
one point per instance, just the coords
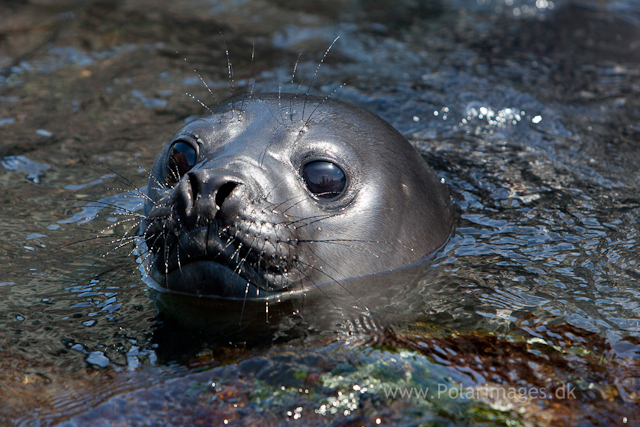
(528, 110)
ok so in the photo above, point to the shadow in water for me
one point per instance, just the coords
(352, 309)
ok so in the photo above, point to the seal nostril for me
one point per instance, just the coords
(194, 185)
(224, 191)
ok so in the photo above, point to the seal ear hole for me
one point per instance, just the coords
(182, 157)
(324, 179)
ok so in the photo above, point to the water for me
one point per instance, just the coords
(527, 109)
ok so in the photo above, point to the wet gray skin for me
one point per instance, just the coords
(278, 194)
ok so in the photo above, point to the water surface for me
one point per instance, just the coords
(528, 110)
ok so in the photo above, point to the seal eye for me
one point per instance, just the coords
(181, 160)
(324, 179)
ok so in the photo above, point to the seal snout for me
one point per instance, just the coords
(200, 195)
(210, 235)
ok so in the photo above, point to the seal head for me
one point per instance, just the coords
(278, 194)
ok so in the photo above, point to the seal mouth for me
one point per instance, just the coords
(229, 262)
(209, 278)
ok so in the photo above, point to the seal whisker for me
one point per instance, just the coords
(241, 262)
(319, 288)
(274, 207)
(179, 246)
(112, 205)
(175, 176)
(126, 235)
(229, 242)
(205, 85)
(292, 206)
(230, 72)
(315, 218)
(123, 179)
(280, 124)
(75, 242)
(199, 102)
(93, 249)
(339, 243)
(123, 240)
(157, 238)
(118, 270)
(177, 250)
(166, 250)
(246, 290)
(356, 241)
(333, 280)
(158, 185)
(144, 233)
(278, 120)
(144, 256)
(336, 241)
(280, 104)
(128, 194)
(235, 254)
(244, 302)
(320, 103)
(316, 73)
(293, 76)
(277, 204)
(266, 197)
(244, 96)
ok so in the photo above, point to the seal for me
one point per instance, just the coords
(279, 193)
